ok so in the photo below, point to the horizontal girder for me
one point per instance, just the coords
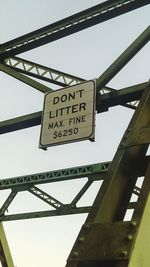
(82, 20)
(65, 210)
(54, 176)
(19, 76)
(114, 98)
(93, 172)
(42, 72)
(48, 74)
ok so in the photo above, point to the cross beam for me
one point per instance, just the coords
(42, 72)
(93, 172)
(116, 97)
(54, 176)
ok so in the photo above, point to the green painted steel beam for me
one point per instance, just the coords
(5, 255)
(102, 246)
(7, 202)
(81, 192)
(60, 208)
(42, 72)
(55, 176)
(138, 136)
(51, 75)
(22, 122)
(101, 81)
(114, 68)
(124, 97)
(124, 169)
(123, 59)
(82, 20)
(65, 210)
(45, 197)
(140, 252)
(15, 74)
(116, 97)
(60, 78)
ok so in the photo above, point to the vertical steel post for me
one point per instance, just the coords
(105, 239)
(141, 217)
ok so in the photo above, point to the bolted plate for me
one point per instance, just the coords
(104, 241)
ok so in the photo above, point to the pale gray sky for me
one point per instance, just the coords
(87, 54)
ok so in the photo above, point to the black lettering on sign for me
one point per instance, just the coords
(75, 108)
(55, 100)
(68, 97)
(67, 110)
(80, 92)
(56, 124)
(77, 120)
(82, 106)
(71, 131)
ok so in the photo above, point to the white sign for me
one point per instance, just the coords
(68, 115)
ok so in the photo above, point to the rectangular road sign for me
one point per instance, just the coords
(68, 115)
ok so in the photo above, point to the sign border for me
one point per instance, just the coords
(91, 137)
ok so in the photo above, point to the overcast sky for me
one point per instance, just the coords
(87, 54)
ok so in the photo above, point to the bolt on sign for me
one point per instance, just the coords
(68, 115)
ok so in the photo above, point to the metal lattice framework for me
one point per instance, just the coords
(109, 172)
(72, 24)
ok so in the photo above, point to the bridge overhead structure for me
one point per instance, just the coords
(105, 239)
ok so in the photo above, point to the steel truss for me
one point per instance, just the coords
(106, 239)
(42, 72)
(94, 172)
(97, 243)
(72, 24)
(27, 183)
